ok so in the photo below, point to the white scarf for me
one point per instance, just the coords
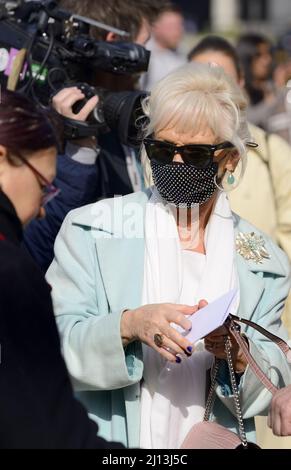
(173, 395)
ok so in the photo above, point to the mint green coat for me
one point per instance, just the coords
(96, 275)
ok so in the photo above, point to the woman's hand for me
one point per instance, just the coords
(145, 322)
(214, 343)
(279, 418)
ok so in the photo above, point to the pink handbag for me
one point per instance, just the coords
(211, 435)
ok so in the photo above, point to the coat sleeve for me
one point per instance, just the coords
(79, 186)
(37, 406)
(91, 339)
(254, 397)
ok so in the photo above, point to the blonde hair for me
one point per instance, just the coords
(192, 97)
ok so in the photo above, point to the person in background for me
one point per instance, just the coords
(167, 34)
(37, 407)
(93, 168)
(263, 196)
(264, 82)
(128, 270)
(256, 57)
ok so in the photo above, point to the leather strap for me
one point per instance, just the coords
(233, 328)
(279, 341)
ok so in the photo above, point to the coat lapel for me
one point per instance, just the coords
(122, 265)
(252, 284)
(121, 252)
(117, 226)
(251, 289)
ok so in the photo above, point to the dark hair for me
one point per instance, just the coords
(218, 44)
(247, 49)
(127, 15)
(169, 7)
(24, 128)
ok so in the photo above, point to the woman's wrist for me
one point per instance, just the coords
(126, 330)
(240, 362)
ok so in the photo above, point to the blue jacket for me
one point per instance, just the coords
(96, 275)
(78, 184)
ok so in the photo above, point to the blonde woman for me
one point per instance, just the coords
(129, 271)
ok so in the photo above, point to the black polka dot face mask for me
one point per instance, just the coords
(184, 185)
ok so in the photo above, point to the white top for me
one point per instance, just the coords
(173, 398)
(193, 265)
(173, 395)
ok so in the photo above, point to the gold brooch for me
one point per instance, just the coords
(251, 247)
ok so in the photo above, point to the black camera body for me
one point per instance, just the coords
(60, 53)
(119, 111)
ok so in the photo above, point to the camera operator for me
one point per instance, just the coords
(93, 168)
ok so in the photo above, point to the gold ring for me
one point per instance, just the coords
(158, 340)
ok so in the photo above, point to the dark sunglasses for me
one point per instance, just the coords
(198, 155)
(49, 191)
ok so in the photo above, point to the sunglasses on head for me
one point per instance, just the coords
(198, 155)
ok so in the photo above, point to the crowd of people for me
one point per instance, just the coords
(97, 291)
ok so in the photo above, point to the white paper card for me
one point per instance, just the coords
(210, 317)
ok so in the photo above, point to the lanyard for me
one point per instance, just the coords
(132, 168)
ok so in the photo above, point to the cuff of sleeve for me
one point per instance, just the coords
(223, 379)
(102, 362)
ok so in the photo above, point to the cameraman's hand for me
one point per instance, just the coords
(64, 101)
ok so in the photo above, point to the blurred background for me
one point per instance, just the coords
(272, 17)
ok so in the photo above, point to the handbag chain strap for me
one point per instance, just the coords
(238, 412)
(211, 395)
